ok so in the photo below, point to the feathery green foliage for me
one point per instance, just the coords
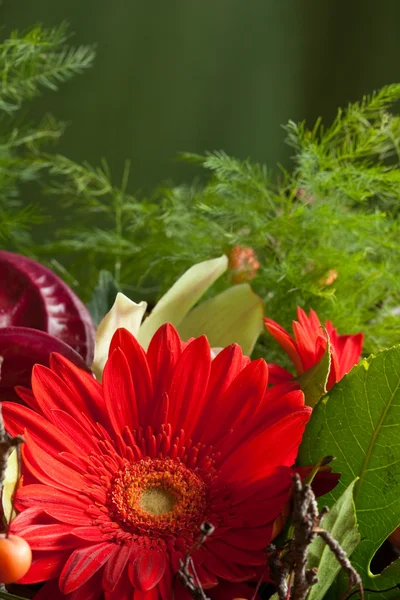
(357, 158)
(36, 59)
(337, 210)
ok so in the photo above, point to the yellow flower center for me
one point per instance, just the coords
(157, 501)
(157, 496)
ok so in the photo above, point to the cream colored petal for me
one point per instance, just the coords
(234, 316)
(124, 313)
(215, 352)
(9, 484)
(182, 296)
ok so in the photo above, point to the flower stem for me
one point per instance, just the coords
(7, 596)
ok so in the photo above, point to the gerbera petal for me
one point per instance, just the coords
(324, 481)
(188, 385)
(264, 513)
(75, 431)
(119, 393)
(68, 514)
(287, 343)
(50, 590)
(315, 323)
(17, 418)
(31, 516)
(279, 442)
(141, 376)
(90, 534)
(45, 565)
(165, 584)
(277, 481)
(123, 589)
(49, 537)
(241, 538)
(240, 400)
(278, 374)
(52, 392)
(151, 594)
(82, 565)
(279, 402)
(226, 570)
(27, 396)
(206, 579)
(148, 569)
(180, 592)
(82, 382)
(60, 511)
(90, 590)
(230, 591)
(224, 369)
(235, 554)
(162, 355)
(349, 350)
(310, 324)
(56, 471)
(40, 496)
(307, 345)
(115, 566)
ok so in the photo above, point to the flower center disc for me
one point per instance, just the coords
(157, 501)
(158, 496)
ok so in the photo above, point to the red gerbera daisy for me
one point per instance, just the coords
(119, 476)
(309, 345)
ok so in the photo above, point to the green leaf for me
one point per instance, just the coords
(342, 525)
(103, 297)
(182, 296)
(313, 381)
(359, 422)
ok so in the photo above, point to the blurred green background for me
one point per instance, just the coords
(175, 75)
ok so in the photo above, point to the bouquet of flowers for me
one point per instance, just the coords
(158, 460)
(164, 435)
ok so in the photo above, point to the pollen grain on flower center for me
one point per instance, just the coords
(157, 496)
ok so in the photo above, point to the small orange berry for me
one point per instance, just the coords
(15, 558)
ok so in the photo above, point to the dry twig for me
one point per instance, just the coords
(293, 558)
(189, 581)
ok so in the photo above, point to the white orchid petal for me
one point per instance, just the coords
(9, 485)
(182, 296)
(234, 316)
(124, 313)
(215, 352)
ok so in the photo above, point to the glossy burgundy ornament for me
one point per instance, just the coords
(39, 314)
(33, 296)
(20, 349)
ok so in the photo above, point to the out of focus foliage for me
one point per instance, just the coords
(326, 234)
